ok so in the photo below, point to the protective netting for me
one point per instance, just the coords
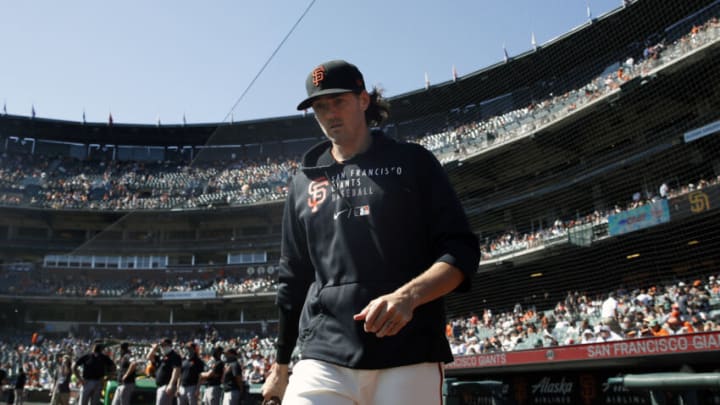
(600, 175)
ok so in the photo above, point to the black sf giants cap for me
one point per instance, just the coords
(333, 77)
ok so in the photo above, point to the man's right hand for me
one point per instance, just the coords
(276, 382)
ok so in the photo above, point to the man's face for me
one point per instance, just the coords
(342, 116)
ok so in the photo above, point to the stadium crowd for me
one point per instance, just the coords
(69, 183)
(662, 309)
(74, 285)
(514, 242)
(471, 138)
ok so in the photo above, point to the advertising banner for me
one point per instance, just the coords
(639, 218)
(189, 295)
(676, 344)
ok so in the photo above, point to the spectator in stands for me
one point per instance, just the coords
(572, 332)
(474, 346)
(675, 326)
(609, 313)
(606, 334)
(697, 323)
(493, 345)
(713, 287)
(710, 326)
(458, 346)
(588, 336)
(530, 332)
(628, 328)
(656, 329)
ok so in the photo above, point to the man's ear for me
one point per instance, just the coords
(364, 100)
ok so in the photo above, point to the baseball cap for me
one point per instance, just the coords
(332, 77)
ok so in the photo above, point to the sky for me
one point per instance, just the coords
(217, 61)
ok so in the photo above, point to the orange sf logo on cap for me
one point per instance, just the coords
(318, 75)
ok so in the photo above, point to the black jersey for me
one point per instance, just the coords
(359, 229)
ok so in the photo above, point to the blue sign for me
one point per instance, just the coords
(639, 218)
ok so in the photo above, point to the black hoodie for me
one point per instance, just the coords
(358, 230)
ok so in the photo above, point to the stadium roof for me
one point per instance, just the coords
(246, 132)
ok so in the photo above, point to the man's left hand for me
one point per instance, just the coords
(387, 314)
